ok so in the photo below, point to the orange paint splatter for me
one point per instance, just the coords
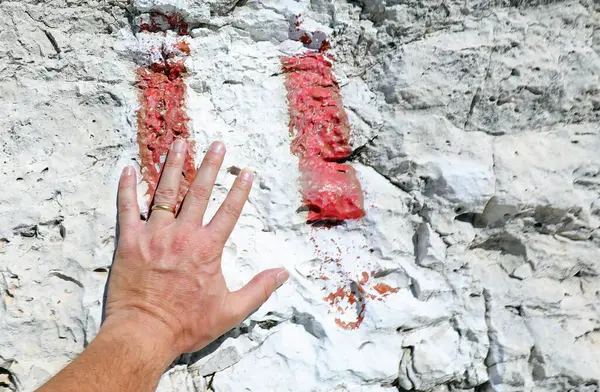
(338, 295)
(183, 47)
(365, 278)
(350, 298)
(384, 289)
(353, 324)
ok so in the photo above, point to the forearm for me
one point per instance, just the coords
(125, 356)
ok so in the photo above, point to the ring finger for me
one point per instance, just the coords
(167, 193)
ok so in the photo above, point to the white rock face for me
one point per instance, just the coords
(478, 149)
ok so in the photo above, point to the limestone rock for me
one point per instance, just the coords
(475, 129)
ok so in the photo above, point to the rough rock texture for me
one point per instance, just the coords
(477, 145)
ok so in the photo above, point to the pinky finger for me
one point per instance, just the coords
(127, 207)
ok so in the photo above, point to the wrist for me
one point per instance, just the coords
(150, 340)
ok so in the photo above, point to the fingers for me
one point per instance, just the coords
(247, 299)
(127, 206)
(196, 200)
(228, 214)
(168, 186)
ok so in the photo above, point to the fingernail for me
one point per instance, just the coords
(246, 175)
(178, 145)
(282, 277)
(217, 147)
(127, 171)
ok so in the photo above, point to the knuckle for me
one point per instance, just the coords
(206, 252)
(182, 242)
(165, 193)
(126, 246)
(125, 206)
(157, 244)
(240, 188)
(203, 254)
(212, 160)
(216, 244)
(200, 192)
(173, 163)
(231, 211)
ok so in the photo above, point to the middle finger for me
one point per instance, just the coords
(196, 200)
(167, 192)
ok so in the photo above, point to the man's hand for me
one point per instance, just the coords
(169, 268)
(166, 293)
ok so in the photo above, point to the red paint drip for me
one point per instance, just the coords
(321, 137)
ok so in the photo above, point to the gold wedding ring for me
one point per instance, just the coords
(164, 207)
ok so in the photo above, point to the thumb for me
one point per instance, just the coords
(247, 299)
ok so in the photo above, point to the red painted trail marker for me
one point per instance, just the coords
(330, 190)
(162, 117)
(321, 132)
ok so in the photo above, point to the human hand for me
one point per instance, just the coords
(167, 273)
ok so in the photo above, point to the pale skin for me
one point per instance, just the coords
(166, 293)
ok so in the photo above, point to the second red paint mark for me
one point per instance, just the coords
(321, 132)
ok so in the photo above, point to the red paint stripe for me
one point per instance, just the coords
(162, 118)
(321, 132)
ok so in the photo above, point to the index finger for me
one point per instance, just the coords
(228, 214)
